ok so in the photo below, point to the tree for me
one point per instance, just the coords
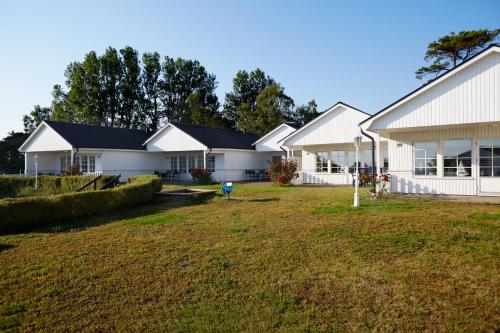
(180, 78)
(59, 108)
(201, 115)
(110, 80)
(272, 107)
(451, 50)
(130, 88)
(35, 117)
(11, 160)
(150, 115)
(306, 113)
(246, 88)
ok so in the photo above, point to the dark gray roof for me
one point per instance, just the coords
(92, 136)
(219, 137)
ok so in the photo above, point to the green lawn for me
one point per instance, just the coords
(295, 258)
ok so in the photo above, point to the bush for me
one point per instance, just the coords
(14, 186)
(283, 172)
(22, 213)
(201, 176)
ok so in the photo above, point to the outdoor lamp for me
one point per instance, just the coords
(357, 144)
(35, 159)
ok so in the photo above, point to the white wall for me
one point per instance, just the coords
(47, 162)
(46, 139)
(472, 95)
(236, 162)
(270, 143)
(339, 126)
(130, 163)
(401, 161)
(172, 139)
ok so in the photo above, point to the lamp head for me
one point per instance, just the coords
(357, 140)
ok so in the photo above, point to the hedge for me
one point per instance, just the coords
(21, 213)
(14, 186)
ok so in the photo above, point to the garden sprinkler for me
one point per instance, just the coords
(227, 188)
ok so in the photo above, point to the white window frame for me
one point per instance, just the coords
(340, 168)
(456, 158)
(191, 162)
(320, 164)
(173, 163)
(211, 163)
(182, 164)
(425, 159)
(199, 161)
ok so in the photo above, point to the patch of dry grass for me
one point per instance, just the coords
(273, 259)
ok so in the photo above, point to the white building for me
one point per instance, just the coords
(325, 148)
(176, 148)
(444, 138)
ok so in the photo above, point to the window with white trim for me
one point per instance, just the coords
(91, 163)
(368, 158)
(211, 163)
(385, 156)
(191, 162)
(322, 162)
(65, 162)
(173, 163)
(489, 158)
(337, 161)
(200, 161)
(84, 166)
(351, 161)
(457, 158)
(182, 164)
(425, 158)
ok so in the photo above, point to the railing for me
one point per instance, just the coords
(91, 182)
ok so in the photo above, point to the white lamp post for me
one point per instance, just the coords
(35, 158)
(357, 144)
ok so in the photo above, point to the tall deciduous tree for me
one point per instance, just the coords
(180, 78)
(243, 97)
(130, 88)
(111, 73)
(35, 117)
(11, 160)
(306, 113)
(150, 116)
(451, 50)
(272, 107)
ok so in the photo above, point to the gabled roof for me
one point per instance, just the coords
(93, 136)
(222, 138)
(271, 132)
(437, 80)
(321, 116)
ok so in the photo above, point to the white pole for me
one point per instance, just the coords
(36, 172)
(356, 180)
(204, 160)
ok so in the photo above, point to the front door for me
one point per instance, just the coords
(489, 166)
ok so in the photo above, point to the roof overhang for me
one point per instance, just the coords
(38, 129)
(368, 122)
(173, 126)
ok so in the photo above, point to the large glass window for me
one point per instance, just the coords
(191, 162)
(84, 164)
(489, 158)
(457, 158)
(426, 158)
(367, 156)
(385, 156)
(200, 161)
(337, 161)
(91, 163)
(182, 164)
(211, 163)
(321, 162)
(65, 161)
(173, 163)
(351, 161)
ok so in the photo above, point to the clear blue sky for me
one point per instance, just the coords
(361, 52)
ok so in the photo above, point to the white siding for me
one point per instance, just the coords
(339, 126)
(130, 163)
(173, 139)
(472, 95)
(46, 139)
(236, 162)
(270, 143)
(401, 161)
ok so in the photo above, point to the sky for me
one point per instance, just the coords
(363, 53)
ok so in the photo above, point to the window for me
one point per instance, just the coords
(322, 162)
(426, 158)
(489, 158)
(367, 155)
(182, 164)
(385, 155)
(351, 161)
(457, 158)
(337, 162)
(211, 163)
(65, 162)
(200, 161)
(84, 167)
(76, 160)
(191, 162)
(92, 163)
(173, 163)
(276, 159)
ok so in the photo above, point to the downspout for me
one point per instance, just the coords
(374, 171)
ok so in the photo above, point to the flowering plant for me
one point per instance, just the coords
(283, 173)
(379, 181)
(201, 176)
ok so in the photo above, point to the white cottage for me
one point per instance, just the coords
(228, 154)
(444, 137)
(325, 147)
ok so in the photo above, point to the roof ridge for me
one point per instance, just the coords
(92, 125)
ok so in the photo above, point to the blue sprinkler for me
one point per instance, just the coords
(227, 188)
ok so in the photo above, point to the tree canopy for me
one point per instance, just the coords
(11, 160)
(451, 50)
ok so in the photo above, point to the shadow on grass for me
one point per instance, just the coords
(264, 200)
(382, 207)
(157, 205)
(4, 247)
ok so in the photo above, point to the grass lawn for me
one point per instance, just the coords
(295, 258)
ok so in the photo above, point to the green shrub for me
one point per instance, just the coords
(18, 186)
(22, 213)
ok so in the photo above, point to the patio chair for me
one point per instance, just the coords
(262, 175)
(250, 175)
